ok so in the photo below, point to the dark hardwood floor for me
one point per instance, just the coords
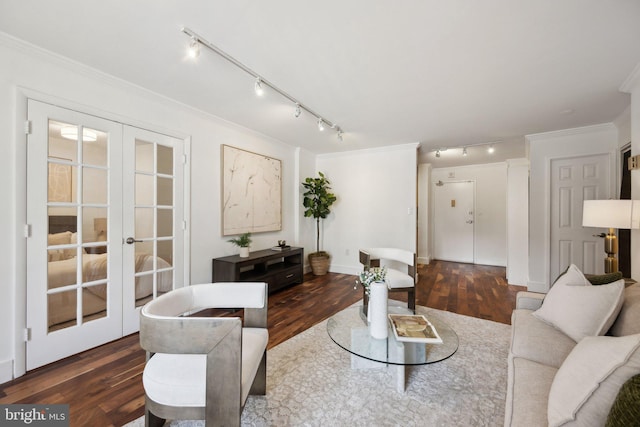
(104, 388)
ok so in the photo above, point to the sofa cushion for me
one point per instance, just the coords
(587, 383)
(581, 310)
(527, 393)
(628, 321)
(625, 411)
(533, 339)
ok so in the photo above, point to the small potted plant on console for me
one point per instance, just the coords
(243, 241)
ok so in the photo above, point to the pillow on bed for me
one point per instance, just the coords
(63, 238)
(70, 253)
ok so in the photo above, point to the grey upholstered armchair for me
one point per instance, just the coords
(401, 271)
(204, 367)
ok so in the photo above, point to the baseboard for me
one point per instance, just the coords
(6, 371)
(424, 260)
(537, 287)
(345, 269)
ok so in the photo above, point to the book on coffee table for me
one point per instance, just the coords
(414, 328)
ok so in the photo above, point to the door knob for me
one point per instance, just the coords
(131, 241)
(469, 221)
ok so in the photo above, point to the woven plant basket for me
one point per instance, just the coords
(319, 262)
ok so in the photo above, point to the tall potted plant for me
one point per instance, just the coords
(317, 201)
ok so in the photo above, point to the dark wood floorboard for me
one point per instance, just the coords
(104, 387)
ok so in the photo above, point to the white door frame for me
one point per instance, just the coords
(22, 94)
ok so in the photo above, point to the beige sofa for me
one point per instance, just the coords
(538, 354)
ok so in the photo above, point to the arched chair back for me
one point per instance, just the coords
(401, 268)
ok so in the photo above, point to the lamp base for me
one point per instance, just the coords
(611, 248)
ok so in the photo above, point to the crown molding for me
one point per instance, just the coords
(603, 127)
(631, 82)
(385, 149)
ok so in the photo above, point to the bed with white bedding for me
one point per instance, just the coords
(62, 272)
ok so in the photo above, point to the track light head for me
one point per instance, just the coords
(437, 153)
(297, 111)
(339, 134)
(490, 150)
(320, 124)
(194, 48)
(464, 151)
(258, 87)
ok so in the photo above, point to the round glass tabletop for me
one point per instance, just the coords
(350, 331)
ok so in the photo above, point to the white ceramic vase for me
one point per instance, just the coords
(244, 252)
(378, 326)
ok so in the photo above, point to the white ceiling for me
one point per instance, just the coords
(442, 73)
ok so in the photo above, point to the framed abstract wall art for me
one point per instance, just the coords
(251, 192)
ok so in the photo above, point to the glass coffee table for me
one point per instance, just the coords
(350, 331)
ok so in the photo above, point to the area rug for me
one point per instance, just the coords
(310, 382)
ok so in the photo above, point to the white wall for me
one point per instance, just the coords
(28, 70)
(518, 221)
(544, 147)
(490, 231)
(376, 205)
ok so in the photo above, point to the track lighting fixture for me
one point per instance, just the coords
(258, 87)
(260, 83)
(194, 48)
(490, 146)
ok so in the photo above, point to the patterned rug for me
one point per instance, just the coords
(310, 382)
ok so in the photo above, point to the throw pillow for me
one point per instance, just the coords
(625, 411)
(628, 321)
(581, 311)
(588, 381)
(572, 276)
(603, 279)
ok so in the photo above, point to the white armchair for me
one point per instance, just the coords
(204, 367)
(401, 271)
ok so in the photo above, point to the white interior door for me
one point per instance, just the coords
(153, 219)
(74, 184)
(92, 184)
(454, 207)
(574, 180)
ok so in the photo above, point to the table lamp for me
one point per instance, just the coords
(611, 214)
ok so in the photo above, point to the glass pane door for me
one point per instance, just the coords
(73, 284)
(153, 218)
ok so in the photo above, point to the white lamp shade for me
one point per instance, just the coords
(623, 214)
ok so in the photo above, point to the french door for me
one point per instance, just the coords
(92, 185)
